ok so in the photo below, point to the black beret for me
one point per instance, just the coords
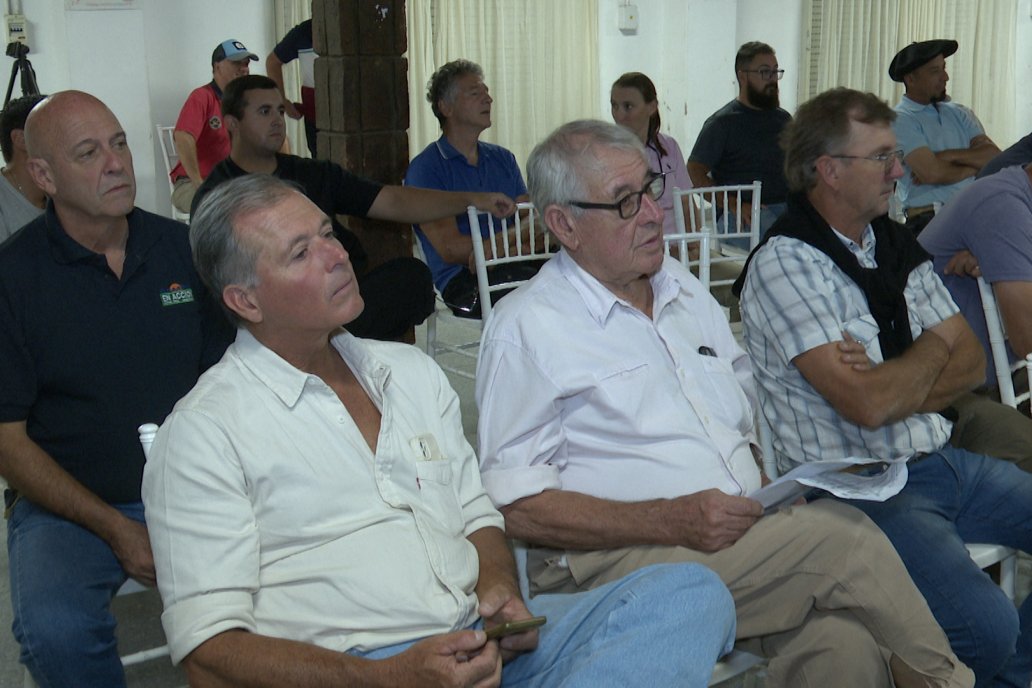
(916, 54)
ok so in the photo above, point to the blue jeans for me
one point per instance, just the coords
(953, 497)
(663, 625)
(63, 578)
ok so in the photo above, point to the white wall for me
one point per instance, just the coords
(142, 62)
(687, 47)
(1022, 72)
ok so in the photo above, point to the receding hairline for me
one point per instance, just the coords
(46, 118)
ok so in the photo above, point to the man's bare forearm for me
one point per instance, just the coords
(35, 474)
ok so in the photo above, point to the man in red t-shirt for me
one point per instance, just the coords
(201, 141)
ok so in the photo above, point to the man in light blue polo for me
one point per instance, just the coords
(460, 161)
(944, 144)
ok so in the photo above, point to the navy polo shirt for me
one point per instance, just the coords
(86, 356)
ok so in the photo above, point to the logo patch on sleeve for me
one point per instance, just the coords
(176, 294)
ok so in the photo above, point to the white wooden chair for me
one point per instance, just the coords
(732, 237)
(507, 240)
(170, 157)
(130, 587)
(998, 348)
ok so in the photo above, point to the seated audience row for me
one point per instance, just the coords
(857, 347)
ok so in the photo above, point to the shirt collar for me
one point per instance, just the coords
(911, 105)
(449, 151)
(65, 250)
(865, 249)
(601, 302)
(288, 383)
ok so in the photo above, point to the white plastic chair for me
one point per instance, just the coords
(130, 587)
(171, 158)
(683, 241)
(998, 348)
(499, 233)
(731, 225)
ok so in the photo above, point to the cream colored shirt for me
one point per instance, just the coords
(268, 511)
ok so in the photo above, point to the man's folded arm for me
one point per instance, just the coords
(931, 168)
(1013, 298)
(965, 368)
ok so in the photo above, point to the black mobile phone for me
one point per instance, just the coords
(511, 627)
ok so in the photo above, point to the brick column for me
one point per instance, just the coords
(361, 92)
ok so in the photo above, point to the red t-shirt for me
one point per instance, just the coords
(201, 117)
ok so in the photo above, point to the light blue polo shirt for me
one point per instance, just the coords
(441, 166)
(938, 127)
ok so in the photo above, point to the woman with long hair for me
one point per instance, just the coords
(635, 106)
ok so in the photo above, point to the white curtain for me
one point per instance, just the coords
(539, 59)
(290, 13)
(851, 42)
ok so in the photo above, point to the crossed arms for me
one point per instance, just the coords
(951, 165)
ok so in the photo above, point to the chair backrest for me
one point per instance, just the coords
(734, 234)
(168, 149)
(998, 348)
(518, 239)
(147, 432)
(682, 244)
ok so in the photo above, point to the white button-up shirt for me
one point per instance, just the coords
(268, 511)
(580, 391)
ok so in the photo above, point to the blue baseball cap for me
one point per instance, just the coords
(232, 50)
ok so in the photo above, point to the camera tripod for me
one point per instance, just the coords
(21, 66)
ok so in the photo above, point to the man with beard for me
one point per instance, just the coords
(944, 144)
(739, 142)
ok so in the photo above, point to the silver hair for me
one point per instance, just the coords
(220, 257)
(444, 84)
(560, 167)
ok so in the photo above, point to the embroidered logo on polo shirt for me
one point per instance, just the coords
(215, 122)
(176, 294)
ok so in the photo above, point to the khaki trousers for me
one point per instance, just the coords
(818, 589)
(183, 192)
(985, 426)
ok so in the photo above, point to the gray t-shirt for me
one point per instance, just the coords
(15, 209)
(991, 218)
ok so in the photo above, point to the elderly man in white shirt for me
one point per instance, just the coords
(317, 517)
(616, 431)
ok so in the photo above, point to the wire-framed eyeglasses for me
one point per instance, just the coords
(630, 205)
(887, 159)
(766, 73)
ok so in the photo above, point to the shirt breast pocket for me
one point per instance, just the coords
(437, 494)
(726, 394)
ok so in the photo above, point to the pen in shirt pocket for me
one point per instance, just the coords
(707, 351)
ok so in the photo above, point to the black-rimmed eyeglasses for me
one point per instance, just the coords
(629, 205)
(888, 159)
(767, 73)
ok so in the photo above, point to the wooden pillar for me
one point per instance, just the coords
(361, 92)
